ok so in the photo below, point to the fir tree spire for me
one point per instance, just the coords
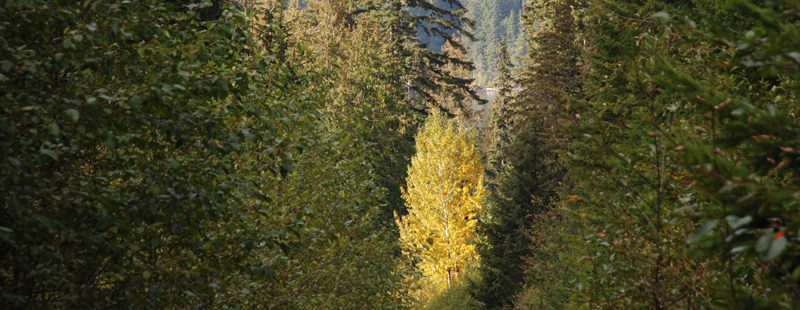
(504, 67)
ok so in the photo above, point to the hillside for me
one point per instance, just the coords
(495, 20)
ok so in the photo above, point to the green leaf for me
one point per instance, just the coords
(135, 102)
(796, 274)
(286, 168)
(738, 249)
(285, 248)
(110, 142)
(303, 147)
(764, 242)
(73, 115)
(53, 127)
(776, 248)
(703, 230)
(49, 153)
(738, 112)
(146, 275)
(661, 15)
(6, 65)
(737, 222)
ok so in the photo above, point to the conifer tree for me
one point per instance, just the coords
(530, 172)
(504, 66)
(366, 75)
(684, 152)
(446, 96)
(499, 120)
(423, 76)
(494, 20)
(551, 73)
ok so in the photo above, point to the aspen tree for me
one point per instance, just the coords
(445, 192)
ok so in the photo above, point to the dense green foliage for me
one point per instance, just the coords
(687, 166)
(456, 296)
(154, 156)
(402, 78)
(680, 147)
(218, 154)
(120, 140)
(524, 189)
(528, 172)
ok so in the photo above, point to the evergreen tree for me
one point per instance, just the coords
(446, 97)
(683, 152)
(524, 188)
(423, 76)
(504, 66)
(500, 118)
(531, 171)
(551, 73)
(366, 76)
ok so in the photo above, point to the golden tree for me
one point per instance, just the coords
(445, 192)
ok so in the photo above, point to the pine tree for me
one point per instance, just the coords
(423, 76)
(500, 119)
(551, 74)
(524, 188)
(446, 97)
(684, 152)
(504, 66)
(366, 73)
(494, 19)
(529, 171)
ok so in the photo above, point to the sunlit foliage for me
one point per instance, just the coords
(445, 192)
(180, 155)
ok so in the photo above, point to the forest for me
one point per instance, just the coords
(338, 154)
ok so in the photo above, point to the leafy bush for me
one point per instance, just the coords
(686, 156)
(457, 296)
(152, 154)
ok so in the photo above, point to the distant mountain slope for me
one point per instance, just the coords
(495, 20)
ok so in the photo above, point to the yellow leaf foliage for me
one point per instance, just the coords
(445, 192)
